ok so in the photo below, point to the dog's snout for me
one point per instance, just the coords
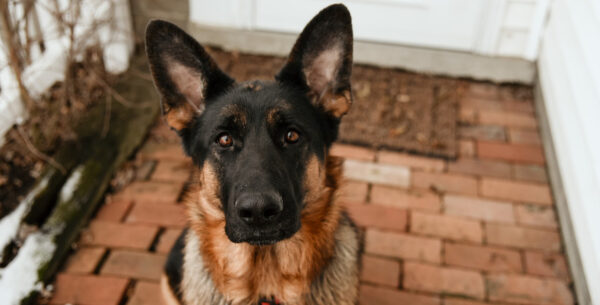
(258, 209)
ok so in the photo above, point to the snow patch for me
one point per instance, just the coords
(10, 224)
(20, 278)
(66, 193)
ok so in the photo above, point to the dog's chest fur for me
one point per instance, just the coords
(335, 284)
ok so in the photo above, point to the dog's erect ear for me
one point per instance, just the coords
(321, 60)
(184, 74)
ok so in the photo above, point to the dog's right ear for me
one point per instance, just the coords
(184, 74)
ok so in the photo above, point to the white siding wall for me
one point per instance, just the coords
(569, 70)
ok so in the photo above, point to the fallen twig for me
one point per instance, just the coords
(38, 153)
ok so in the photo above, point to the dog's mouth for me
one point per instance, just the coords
(260, 237)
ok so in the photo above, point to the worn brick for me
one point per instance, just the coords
(353, 191)
(137, 265)
(88, 290)
(449, 227)
(482, 132)
(528, 172)
(443, 182)
(371, 295)
(516, 191)
(380, 271)
(352, 152)
(511, 152)
(482, 258)
(534, 215)
(84, 260)
(480, 167)
(114, 210)
(403, 246)
(377, 173)
(443, 280)
(466, 148)
(412, 161)
(414, 199)
(144, 170)
(508, 119)
(546, 264)
(163, 133)
(521, 136)
(513, 105)
(160, 214)
(460, 301)
(167, 240)
(163, 152)
(377, 216)
(478, 208)
(118, 235)
(146, 293)
(151, 191)
(526, 238)
(172, 171)
(527, 290)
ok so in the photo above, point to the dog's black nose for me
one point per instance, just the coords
(257, 208)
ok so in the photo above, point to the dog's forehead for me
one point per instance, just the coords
(258, 99)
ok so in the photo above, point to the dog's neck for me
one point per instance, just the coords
(243, 273)
(336, 283)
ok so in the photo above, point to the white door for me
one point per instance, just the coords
(444, 24)
(510, 28)
(449, 24)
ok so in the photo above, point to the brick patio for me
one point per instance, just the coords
(478, 230)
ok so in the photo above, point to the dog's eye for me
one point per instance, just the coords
(292, 136)
(225, 140)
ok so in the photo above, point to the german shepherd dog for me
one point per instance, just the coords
(264, 223)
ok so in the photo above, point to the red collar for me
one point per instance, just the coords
(271, 301)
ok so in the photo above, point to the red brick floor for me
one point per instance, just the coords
(478, 230)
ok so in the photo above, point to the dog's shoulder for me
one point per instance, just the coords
(338, 283)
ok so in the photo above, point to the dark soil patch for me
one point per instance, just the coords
(26, 148)
(392, 109)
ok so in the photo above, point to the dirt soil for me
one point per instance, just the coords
(392, 109)
(26, 148)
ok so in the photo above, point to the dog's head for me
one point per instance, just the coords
(261, 146)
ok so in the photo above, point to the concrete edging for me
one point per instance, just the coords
(425, 60)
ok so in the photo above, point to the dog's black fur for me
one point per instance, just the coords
(259, 161)
(256, 137)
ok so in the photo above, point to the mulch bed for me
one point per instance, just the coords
(392, 109)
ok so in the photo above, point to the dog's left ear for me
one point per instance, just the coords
(184, 74)
(321, 60)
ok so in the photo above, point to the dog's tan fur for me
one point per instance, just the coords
(242, 273)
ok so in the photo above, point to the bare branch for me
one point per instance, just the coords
(14, 61)
(38, 153)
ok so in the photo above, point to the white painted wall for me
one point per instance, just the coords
(569, 70)
(507, 28)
